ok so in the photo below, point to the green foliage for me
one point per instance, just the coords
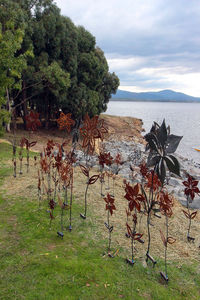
(12, 60)
(81, 82)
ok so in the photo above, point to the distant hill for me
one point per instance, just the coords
(165, 95)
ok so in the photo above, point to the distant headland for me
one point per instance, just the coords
(162, 96)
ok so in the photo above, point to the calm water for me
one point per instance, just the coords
(183, 118)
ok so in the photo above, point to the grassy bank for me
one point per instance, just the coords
(36, 264)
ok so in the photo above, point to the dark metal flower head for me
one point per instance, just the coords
(118, 159)
(52, 204)
(102, 159)
(133, 196)
(161, 145)
(110, 203)
(191, 187)
(153, 181)
(49, 147)
(144, 170)
(108, 159)
(166, 203)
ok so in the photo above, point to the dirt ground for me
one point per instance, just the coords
(119, 128)
(180, 251)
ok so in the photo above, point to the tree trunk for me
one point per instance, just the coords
(24, 103)
(47, 110)
(8, 106)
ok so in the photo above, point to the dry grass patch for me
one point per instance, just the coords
(26, 185)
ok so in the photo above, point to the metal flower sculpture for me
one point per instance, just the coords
(190, 191)
(161, 145)
(65, 121)
(166, 204)
(108, 162)
(52, 205)
(14, 148)
(110, 207)
(32, 121)
(151, 186)
(28, 146)
(21, 144)
(92, 130)
(102, 162)
(101, 158)
(116, 166)
(90, 180)
(134, 237)
(135, 199)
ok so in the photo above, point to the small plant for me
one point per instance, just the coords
(110, 207)
(191, 189)
(166, 203)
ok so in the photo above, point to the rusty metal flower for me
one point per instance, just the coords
(166, 203)
(91, 130)
(32, 121)
(144, 170)
(133, 196)
(49, 147)
(135, 236)
(65, 121)
(44, 164)
(110, 203)
(102, 129)
(191, 187)
(153, 181)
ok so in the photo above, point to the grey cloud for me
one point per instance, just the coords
(163, 34)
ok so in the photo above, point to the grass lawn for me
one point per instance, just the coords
(36, 264)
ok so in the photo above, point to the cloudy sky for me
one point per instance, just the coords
(150, 44)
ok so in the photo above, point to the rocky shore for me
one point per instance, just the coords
(133, 153)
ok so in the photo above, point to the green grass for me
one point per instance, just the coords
(36, 264)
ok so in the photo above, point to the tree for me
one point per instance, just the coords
(11, 62)
(67, 71)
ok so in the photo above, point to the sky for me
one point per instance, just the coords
(151, 45)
